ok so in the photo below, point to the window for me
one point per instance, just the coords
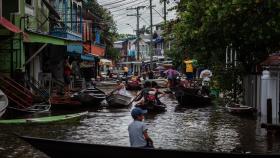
(29, 2)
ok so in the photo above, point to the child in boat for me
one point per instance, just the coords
(138, 131)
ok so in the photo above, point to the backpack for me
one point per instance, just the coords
(151, 96)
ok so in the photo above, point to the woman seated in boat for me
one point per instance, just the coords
(141, 99)
(148, 96)
(120, 89)
(155, 89)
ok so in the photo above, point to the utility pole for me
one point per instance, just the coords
(151, 31)
(137, 27)
(164, 17)
(164, 10)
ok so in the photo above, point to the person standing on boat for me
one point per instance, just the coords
(151, 74)
(125, 71)
(171, 74)
(67, 75)
(138, 131)
(189, 68)
(205, 75)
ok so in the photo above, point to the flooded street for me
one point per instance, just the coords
(202, 129)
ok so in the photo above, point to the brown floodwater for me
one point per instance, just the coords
(209, 128)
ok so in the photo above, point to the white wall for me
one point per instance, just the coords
(270, 89)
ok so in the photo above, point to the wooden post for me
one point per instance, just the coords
(0, 8)
(269, 111)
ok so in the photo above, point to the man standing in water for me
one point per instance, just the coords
(138, 131)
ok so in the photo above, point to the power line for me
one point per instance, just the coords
(123, 4)
(122, 14)
(121, 20)
(144, 20)
(129, 6)
(115, 2)
(158, 13)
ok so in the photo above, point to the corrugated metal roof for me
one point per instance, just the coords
(273, 60)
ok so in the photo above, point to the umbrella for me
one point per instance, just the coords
(160, 68)
(172, 71)
(205, 73)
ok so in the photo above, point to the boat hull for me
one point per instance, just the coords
(133, 86)
(3, 103)
(59, 148)
(117, 100)
(90, 96)
(153, 108)
(240, 109)
(189, 97)
(43, 120)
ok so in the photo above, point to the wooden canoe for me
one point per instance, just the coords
(118, 100)
(43, 120)
(60, 148)
(3, 102)
(36, 108)
(153, 108)
(190, 97)
(239, 109)
(90, 96)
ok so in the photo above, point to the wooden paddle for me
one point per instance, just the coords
(111, 93)
(134, 98)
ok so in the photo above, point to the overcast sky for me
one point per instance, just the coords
(119, 11)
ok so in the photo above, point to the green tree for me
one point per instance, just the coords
(205, 28)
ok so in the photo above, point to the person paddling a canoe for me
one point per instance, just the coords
(138, 131)
(120, 89)
(142, 98)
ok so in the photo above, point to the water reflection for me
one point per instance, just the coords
(200, 129)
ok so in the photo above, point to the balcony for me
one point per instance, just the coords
(64, 33)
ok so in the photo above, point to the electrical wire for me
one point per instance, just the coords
(115, 2)
(128, 6)
(157, 12)
(144, 20)
(123, 4)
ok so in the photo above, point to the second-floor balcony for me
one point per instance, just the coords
(65, 33)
